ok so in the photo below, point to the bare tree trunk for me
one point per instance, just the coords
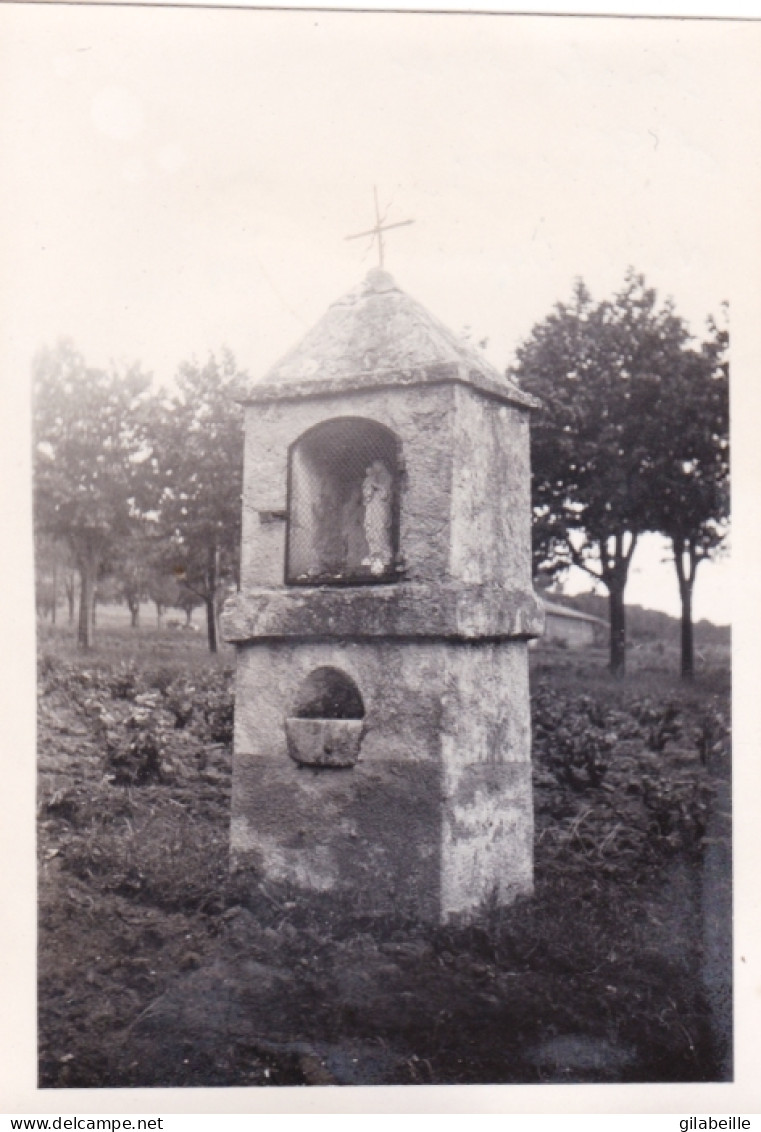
(88, 573)
(686, 568)
(159, 614)
(688, 642)
(71, 596)
(615, 557)
(211, 598)
(134, 611)
(211, 623)
(617, 630)
(55, 592)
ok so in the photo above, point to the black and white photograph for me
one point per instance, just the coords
(372, 373)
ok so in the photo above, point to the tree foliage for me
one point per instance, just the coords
(690, 493)
(135, 564)
(599, 368)
(140, 485)
(198, 456)
(90, 444)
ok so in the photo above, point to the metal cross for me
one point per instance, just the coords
(379, 229)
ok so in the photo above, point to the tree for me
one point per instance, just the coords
(89, 447)
(55, 576)
(690, 477)
(598, 368)
(199, 453)
(187, 600)
(133, 564)
(163, 591)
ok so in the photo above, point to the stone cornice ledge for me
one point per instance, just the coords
(342, 384)
(463, 611)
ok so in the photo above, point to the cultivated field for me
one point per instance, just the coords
(156, 970)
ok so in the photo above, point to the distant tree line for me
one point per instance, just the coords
(136, 491)
(144, 487)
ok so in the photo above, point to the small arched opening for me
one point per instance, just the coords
(327, 723)
(343, 504)
(328, 693)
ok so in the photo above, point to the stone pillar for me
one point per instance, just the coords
(382, 735)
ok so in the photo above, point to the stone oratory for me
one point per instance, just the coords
(382, 739)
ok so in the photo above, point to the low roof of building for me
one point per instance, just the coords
(378, 335)
(574, 614)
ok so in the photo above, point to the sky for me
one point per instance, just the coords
(184, 179)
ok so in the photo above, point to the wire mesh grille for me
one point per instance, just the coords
(343, 505)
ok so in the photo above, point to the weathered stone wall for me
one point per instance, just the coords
(399, 684)
(487, 816)
(434, 817)
(490, 504)
(450, 610)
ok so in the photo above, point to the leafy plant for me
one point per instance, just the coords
(136, 741)
(712, 736)
(661, 723)
(612, 791)
(574, 739)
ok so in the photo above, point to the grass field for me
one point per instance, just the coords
(155, 969)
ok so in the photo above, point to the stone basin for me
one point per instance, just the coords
(324, 742)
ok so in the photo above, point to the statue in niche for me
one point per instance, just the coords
(377, 489)
(352, 526)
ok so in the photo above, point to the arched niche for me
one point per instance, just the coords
(326, 726)
(343, 504)
(328, 693)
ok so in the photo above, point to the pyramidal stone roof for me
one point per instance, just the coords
(376, 335)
